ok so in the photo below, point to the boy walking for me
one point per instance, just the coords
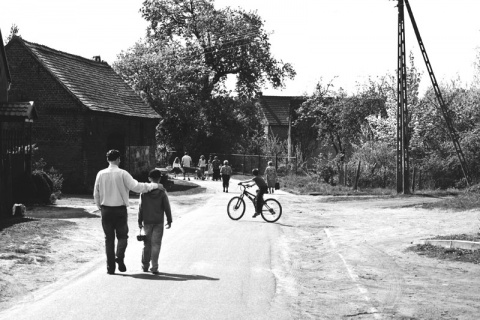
(152, 208)
(262, 189)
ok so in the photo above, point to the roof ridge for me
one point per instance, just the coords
(65, 54)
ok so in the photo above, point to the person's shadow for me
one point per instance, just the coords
(169, 276)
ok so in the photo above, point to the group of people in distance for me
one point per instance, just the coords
(214, 170)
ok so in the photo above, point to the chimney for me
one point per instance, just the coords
(97, 58)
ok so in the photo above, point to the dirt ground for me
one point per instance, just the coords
(348, 259)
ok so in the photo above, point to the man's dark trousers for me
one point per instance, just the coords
(114, 221)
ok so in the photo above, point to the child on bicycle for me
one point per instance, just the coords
(262, 189)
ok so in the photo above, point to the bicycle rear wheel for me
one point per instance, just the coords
(271, 210)
(236, 208)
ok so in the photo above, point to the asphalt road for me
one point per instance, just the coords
(211, 268)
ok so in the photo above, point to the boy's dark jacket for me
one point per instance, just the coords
(153, 205)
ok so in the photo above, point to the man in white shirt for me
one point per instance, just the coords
(111, 194)
(186, 164)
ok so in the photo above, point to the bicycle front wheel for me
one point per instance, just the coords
(236, 208)
(271, 210)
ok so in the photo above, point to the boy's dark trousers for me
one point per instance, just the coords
(261, 192)
(114, 222)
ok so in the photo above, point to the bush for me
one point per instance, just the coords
(47, 179)
(57, 180)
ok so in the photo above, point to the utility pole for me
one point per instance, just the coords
(402, 111)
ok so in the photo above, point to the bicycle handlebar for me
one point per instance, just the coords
(245, 185)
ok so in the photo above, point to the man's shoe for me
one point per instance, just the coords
(121, 265)
(145, 269)
(110, 272)
(255, 215)
(156, 272)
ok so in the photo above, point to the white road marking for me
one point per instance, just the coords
(355, 278)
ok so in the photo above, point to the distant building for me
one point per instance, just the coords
(84, 109)
(279, 114)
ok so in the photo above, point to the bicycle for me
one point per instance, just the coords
(271, 209)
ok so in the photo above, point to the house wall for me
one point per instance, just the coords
(70, 137)
(58, 132)
(133, 137)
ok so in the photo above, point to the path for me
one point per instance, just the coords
(211, 268)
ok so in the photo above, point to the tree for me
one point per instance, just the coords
(14, 31)
(339, 118)
(214, 43)
(181, 66)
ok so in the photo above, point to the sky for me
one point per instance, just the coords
(344, 41)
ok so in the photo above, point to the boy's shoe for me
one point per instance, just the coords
(145, 269)
(156, 272)
(121, 265)
(256, 214)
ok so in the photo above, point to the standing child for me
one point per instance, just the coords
(153, 205)
(210, 168)
(262, 189)
(176, 166)
(202, 164)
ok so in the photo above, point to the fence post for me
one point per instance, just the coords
(345, 174)
(276, 162)
(420, 187)
(413, 179)
(355, 186)
(243, 165)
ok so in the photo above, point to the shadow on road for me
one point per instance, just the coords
(262, 221)
(169, 276)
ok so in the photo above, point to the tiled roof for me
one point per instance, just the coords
(94, 83)
(277, 108)
(24, 110)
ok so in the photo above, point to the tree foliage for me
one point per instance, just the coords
(181, 66)
(339, 118)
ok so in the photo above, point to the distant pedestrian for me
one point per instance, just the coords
(210, 168)
(226, 172)
(186, 164)
(111, 195)
(202, 164)
(151, 210)
(177, 166)
(216, 168)
(271, 177)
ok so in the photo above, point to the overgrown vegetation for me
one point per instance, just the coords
(359, 131)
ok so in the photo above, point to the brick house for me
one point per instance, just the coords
(15, 137)
(84, 109)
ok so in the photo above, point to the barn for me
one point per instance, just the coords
(84, 109)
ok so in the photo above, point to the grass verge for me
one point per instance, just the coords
(451, 254)
(26, 252)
